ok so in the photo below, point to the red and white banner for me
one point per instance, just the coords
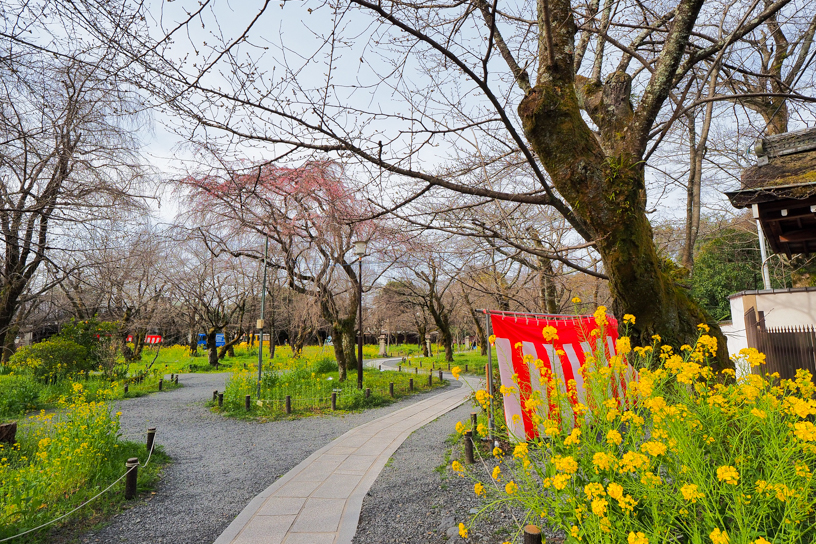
(520, 335)
(149, 338)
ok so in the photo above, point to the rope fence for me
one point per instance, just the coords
(131, 471)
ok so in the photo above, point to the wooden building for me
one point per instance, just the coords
(781, 190)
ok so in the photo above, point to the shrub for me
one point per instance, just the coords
(93, 335)
(55, 356)
(324, 365)
(18, 394)
(686, 456)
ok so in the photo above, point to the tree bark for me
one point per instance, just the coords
(339, 352)
(212, 350)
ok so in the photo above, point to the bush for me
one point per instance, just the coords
(686, 456)
(18, 394)
(93, 335)
(53, 357)
(324, 365)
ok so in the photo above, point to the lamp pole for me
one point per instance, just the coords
(359, 250)
(261, 320)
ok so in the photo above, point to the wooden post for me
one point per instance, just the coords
(399, 368)
(448, 366)
(151, 436)
(430, 379)
(368, 392)
(220, 400)
(380, 368)
(416, 369)
(466, 368)
(126, 389)
(334, 400)
(532, 535)
(440, 376)
(411, 384)
(247, 401)
(473, 416)
(161, 381)
(469, 447)
(176, 381)
(132, 466)
(288, 406)
(215, 395)
(391, 389)
(8, 432)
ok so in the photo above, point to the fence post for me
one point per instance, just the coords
(473, 416)
(126, 389)
(380, 369)
(132, 466)
(469, 447)
(532, 534)
(334, 400)
(247, 401)
(399, 368)
(416, 369)
(176, 380)
(220, 400)
(161, 381)
(430, 379)
(288, 406)
(391, 389)
(466, 368)
(151, 436)
(411, 384)
(440, 376)
(215, 395)
(368, 392)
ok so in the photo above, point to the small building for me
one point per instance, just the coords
(781, 192)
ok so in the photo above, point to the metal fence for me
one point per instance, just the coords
(786, 349)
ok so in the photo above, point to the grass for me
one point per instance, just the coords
(21, 393)
(310, 392)
(177, 359)
(473, 359)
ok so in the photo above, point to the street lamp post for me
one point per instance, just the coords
(261, 320)
(359, 250)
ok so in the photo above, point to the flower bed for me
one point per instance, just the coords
(687, 456)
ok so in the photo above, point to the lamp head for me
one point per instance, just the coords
(360, 247)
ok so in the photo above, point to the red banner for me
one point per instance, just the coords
(149, 339)
(520, 336)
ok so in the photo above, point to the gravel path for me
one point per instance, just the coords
(218, 464)
(414, 502)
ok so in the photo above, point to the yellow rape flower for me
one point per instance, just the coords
(728, 474)
(460, 427)
(594, 489)
(614, 437)
(497, 452)
(623, 345)
(520, 450)
(576, 300)
(629, 319)
(574, 438)
(718, 537)
(492, 339)
(457, 466)
(599, 506)
(511, 487)
(637, 538)
(463, 532)
(560, 481)
(653, 448)
(456, 371)
(478, 489)
(497, 474)
(565, 464)
(615, 491)
(691, 493)
(603, 461)
(550, 333)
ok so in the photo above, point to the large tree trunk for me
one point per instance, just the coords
(422, 332)
(339, 351)
(608, 194)
(212, 350)
(226, 349)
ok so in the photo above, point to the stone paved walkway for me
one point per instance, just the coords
(319, 501)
